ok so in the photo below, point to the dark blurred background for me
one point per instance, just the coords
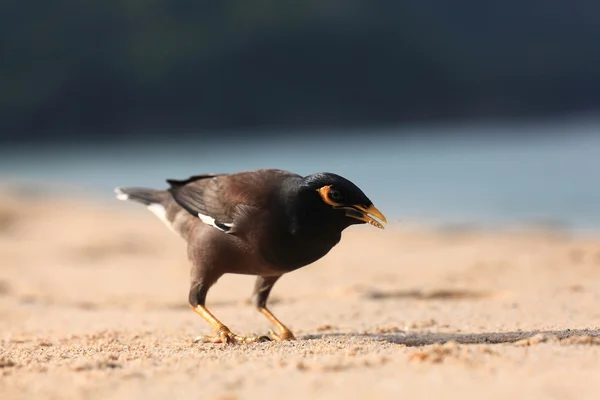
(115, 68)
(463, 111)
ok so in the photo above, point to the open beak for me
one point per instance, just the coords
(366, 214)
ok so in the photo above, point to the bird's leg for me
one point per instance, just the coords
(284, 332)
(262, 289)
(224, 334)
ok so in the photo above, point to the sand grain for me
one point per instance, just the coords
(93, 305)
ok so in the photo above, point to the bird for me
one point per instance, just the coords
(262, 222)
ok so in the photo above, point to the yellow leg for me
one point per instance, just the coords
(223, 332)
(284, 332)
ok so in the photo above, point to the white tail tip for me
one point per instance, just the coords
(121, 195)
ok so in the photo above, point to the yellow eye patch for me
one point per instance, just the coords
(324, 192)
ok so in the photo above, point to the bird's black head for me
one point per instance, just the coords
(341, 199)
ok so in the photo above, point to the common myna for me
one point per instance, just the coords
(264, 222)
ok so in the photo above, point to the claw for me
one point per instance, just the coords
(280, 337)
(228, 337)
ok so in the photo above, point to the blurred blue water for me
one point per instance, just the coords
(512, 178)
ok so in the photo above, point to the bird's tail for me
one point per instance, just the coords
(140, 195)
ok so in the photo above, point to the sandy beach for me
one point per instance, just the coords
(93, 305)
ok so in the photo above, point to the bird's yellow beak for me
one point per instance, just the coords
(366, 214)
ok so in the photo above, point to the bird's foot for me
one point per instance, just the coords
(225, 336)
(283, 336)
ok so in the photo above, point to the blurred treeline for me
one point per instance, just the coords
(116, 66)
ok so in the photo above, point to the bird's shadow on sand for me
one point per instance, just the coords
(415, 339)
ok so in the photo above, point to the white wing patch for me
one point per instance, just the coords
(223, 227)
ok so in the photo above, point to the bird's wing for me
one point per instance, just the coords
(203, 197)
(218, 198)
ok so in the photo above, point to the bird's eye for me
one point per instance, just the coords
(335, 195)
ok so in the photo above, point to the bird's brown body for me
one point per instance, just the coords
(263, 222)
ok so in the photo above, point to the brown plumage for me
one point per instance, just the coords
(264, 222)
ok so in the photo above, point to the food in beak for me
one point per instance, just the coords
(366, 214)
